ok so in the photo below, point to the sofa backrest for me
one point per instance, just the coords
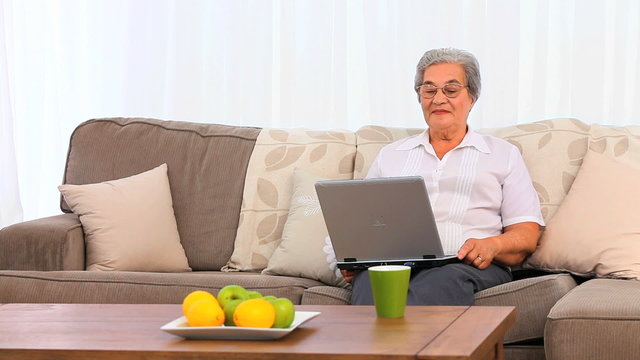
(552, 149)
(370, 139)
(206, 163)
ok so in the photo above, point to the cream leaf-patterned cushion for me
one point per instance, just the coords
(268, 186)
(552, 150)
(305, 250)
(371, 139)
(596, 230)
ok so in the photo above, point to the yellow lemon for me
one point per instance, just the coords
(194, 297)
(205, 313)
(256, 313)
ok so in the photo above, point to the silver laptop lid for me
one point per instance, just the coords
(379, 219)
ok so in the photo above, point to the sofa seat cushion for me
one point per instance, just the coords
(326, 295)
(533, 298)
(122, 287)
(524, 351)
(599, 319)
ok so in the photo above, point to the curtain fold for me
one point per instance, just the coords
(285, 63)
(10, 205)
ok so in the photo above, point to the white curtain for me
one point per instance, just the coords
(10, 206)
(291, 63)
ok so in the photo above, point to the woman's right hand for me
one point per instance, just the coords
(348, 275)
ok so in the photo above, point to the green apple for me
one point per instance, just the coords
(285, 313)
(253, 294)
(269, 297)
(231, 292)
(229, 308)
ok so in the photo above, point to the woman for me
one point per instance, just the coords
(486, 208)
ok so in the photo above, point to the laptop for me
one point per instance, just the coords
(383, 221)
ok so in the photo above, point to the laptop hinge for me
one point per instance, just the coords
(426, 257)
(350, 260)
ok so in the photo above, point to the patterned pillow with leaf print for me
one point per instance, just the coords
(596, 230)
(371, 139)
(617, 142)
(268, 183)
(305, 250)
(553, 151)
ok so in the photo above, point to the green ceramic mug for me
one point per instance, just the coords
(390, 284)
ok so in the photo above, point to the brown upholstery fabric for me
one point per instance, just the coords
(207, 166)
(52, 243)
(524, 352)
(326, 295)
(532, 297)
(599, 319)
(122, 287)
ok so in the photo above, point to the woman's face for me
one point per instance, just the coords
(441, 112)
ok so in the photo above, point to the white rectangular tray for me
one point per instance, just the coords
(179, 327)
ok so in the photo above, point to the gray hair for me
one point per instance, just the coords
(452, 56)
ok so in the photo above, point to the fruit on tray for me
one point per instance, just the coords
(257, 313)
(205, 313)
(236, 306)
(195, 297)
(231, 292)
(285, 313)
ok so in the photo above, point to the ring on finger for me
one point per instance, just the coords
(480, 258)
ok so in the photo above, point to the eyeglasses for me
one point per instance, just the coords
(428, 91)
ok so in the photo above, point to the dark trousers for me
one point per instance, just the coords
(452, 284)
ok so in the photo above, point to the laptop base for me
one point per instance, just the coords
(431, 263)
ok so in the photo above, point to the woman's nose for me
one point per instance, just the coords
(439, 98)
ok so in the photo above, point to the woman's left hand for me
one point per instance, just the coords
(479, 252)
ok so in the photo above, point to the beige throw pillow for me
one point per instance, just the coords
(268, 184)
(129, 223)
(596, 230)
(305, 249)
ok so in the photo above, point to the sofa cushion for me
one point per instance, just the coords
(305, 249)
(553, 151)
(596, 231)
(124, 287)
(556, 144)
(268, 186)
(129, 223)
(599, 319)
(207, 165)
(370, 139)
(619, 143)
(532, 297)
(326, 295)
(524, 351)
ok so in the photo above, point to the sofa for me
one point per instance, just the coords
(245, 215)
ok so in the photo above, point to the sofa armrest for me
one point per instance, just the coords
(47, 244)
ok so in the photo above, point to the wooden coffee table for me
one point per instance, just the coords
(94, 331)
